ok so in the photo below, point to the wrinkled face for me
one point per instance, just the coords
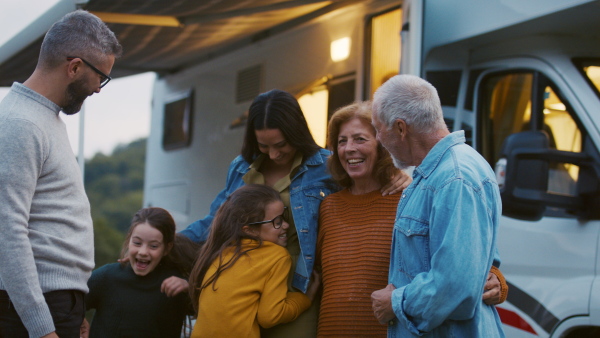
(357, 150)
(391, 140)
(146, 249)
(267, 231)
(272, 143)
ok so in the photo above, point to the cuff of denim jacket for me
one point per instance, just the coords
(398, 307)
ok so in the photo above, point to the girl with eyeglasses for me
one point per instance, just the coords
(239, 282)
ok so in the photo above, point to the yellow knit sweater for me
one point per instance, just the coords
(252, 292)
(353, 249)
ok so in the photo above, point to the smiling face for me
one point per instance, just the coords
(146, 249)
(357, 150)
(267, 231)
(272, 143)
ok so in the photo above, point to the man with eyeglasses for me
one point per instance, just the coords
(46, 246)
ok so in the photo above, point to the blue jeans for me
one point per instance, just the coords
(66, 306)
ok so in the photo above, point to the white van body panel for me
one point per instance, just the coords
(291, 61)
(550, 264)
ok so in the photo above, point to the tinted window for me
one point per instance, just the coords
(447, 84)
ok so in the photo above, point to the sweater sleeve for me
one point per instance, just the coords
(276, 304)
(22, 149)
(503, 285)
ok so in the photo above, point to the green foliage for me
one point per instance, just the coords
(107, 242)
(114, 185)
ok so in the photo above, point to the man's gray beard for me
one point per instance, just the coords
(399, 164)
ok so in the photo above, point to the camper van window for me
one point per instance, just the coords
(591, 70)
(177, 124)
(521, 101)
(447, 83)
(506, 109)
(382, 59)
(473, 76)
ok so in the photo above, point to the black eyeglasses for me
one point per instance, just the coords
(277, 221)
(105, 78)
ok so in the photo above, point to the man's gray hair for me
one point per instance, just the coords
(412, 99)
(80, 34)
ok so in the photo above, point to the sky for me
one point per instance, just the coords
(119, 114)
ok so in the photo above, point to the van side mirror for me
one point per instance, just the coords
(522, 177)
(525, 188)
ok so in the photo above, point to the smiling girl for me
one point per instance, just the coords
(239, 282)
(135, 299)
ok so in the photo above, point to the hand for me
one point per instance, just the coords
(123, 260)
(398, 183)
(382, 304)
(313, 286)
(492, 290)
(84, 330)
(50, 335)
(173, 286)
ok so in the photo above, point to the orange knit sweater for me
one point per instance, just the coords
(353, 249)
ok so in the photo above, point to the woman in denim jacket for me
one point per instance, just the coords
(279, 151)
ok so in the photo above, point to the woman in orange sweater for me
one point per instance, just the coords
(355, 229)
(239, 282)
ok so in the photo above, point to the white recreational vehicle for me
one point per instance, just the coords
(530, 69)
(522, 78)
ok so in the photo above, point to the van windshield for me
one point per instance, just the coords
(591, 69)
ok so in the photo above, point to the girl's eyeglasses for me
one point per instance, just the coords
(277, 221)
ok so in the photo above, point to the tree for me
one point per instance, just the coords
(114, 185)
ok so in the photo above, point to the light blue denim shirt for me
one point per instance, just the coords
(443, 246)
(310, 184)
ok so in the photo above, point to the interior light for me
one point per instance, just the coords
(340, 49)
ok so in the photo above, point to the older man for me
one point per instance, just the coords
(46, 246)
(445, 229)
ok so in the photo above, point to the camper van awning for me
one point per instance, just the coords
(167, 36)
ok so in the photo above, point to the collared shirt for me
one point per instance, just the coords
(444, 242)
(254, 176)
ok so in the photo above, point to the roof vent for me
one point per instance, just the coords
(249, 83)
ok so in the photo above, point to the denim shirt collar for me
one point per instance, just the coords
(431, 161)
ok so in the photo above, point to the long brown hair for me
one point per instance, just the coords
(277, 109)
(245, 205)
(384, 167)
(181, 251)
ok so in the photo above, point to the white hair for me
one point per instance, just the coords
(412, 99)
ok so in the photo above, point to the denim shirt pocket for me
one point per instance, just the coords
(411, 252)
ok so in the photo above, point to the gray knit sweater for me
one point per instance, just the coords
(46, 234)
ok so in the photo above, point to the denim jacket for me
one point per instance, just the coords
(309, 186)
(443, 245)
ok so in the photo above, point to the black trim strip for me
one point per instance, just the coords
(534, 309)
